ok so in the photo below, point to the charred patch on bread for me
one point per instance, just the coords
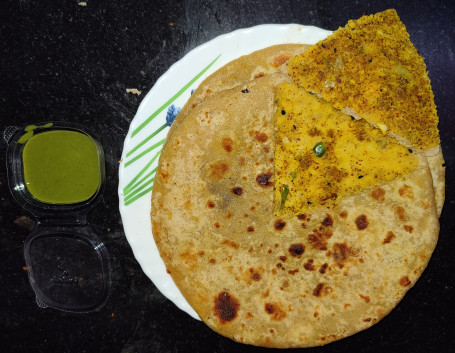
(296, 250)
(238, 191)
(317, 291)
(263, 180)
(343, 214)
(327, 221)
(279, 224)
(210, 204)
(361, 222)
(275, 311)
(250, 229)
(309, 265)
(226, 307)
(323, 268)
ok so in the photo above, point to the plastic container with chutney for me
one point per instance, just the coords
(56, 172)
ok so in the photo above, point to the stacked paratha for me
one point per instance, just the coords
(280, 280)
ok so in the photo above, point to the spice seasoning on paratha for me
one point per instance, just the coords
(371, 69)
(322, 155)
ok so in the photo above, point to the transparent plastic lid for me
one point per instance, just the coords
(67, 268)
(56, 172)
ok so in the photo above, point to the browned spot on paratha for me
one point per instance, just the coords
(341, 252)
(309, 265)
(296, 250)
(318, 240)
(361, 222)
(378, 194)
(323, 268)
(210, 204)
(250, 229)
(408, 228)
(275, 311)
(279, 224)
(230, 243)
(388, 238)
(365, 298)
(401, 214)
(406, 191)
(238, 191)
(343, 214)
(263, 180)
(327, 221)
(227, 144)
(405, 281)
(317, 291)
(226, 307)
(259, 136)
(164, 175)
(253, 274)
(280, 60)
(218, 170)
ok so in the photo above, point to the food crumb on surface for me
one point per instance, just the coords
(82, 3)
(133, 91)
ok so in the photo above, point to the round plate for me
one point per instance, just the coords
(150, 126)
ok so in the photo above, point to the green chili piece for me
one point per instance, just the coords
(319, 149)
(284, 195)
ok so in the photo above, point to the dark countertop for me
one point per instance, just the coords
(63, 61)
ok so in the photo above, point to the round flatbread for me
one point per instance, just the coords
(295, 281)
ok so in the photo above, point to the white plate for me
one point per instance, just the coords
(182, 77)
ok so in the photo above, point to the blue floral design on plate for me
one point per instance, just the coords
(171, 114)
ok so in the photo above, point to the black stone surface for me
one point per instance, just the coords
(63, 61)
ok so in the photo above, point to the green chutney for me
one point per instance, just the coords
(61, 167)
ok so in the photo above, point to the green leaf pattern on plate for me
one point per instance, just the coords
(142, 183)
